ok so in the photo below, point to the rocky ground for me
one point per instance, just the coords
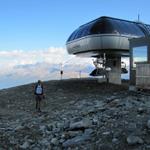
(77, 114)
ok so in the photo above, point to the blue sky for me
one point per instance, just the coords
(33, 34)
(39, 24)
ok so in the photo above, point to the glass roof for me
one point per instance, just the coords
(107, 25)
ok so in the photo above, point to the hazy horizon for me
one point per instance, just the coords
(34, 34)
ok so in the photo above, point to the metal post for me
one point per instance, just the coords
(80, 74)
(61, 71)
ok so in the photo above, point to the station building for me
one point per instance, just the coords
(140, 63)
(108, 39)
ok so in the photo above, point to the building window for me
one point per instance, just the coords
(139, 54)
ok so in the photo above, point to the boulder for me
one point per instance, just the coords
(133, 140)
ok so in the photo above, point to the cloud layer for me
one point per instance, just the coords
(19, 67)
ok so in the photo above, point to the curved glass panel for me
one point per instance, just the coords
(106, 25)
(126, 28)
(81, 32)
(102, 26)
(145, 28)
(72, 36)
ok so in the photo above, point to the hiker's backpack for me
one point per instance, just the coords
(39, 89)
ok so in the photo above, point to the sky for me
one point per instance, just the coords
(33, 33)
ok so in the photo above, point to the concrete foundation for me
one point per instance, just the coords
(101, 80)
(114, 75)
(132, 88)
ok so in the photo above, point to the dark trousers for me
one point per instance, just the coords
(38, 99)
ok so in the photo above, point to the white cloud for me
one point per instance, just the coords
(52, 55)
(39, 64)
(20, 67)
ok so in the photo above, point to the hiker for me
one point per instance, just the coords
(39, 95)
(61, 74)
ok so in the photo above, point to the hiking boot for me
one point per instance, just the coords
(39, 110)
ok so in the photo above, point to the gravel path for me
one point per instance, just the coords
(76, 114)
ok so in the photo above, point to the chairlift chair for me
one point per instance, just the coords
(123, 68)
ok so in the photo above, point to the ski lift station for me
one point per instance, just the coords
(109, 39)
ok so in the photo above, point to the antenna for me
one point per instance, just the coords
(138, 17)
